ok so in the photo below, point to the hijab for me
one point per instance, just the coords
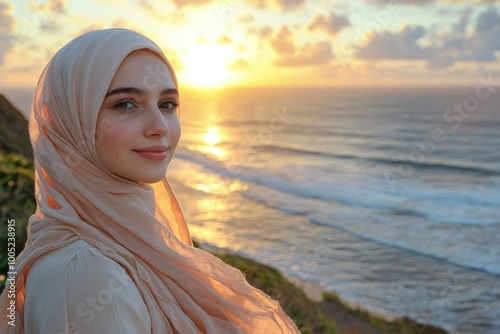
(140, 226)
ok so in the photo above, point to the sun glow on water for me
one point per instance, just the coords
(212, 136)
(209, 143)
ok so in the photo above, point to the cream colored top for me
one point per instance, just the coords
(79, 286)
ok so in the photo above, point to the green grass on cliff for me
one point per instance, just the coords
(302, 310)
(399, 326)
(16, 202)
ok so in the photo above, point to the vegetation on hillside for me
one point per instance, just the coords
(302, 310)
(398, 326)
(17, 202)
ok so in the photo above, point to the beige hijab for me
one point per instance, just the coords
(141, 227)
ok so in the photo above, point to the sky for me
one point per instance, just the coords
(223, 43)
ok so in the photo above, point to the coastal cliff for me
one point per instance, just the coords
(14, 136)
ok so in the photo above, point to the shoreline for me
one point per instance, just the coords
(353, 318)
(329, 312)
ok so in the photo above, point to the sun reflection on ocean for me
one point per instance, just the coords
(210, 221)
(217, 186)
(212, 136)
(210, 141)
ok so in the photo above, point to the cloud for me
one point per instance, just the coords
(239, 64)
(184, 3)
(57, 6)
(319, 53)
(402, 45)
(120, 23)
(485, 41)
(148, 6)
(331, 24)
(6, 30)
(424, 2)
(291, 55)
(88, 28)
(283, 41)
(44, 18)
(461, 26)
(441, 60)
(481, 44)
(224, 40)
(49, 7)
(163, 14)
(265, 32)
(405, 2)
(290, 4)
(487, 21)
(50, 26)
(7, 21)
(25, 68)
(285, 5)
(246, 18)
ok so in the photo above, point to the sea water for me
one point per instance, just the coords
(388, 197)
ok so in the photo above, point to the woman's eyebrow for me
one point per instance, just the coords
(128, 90)
(170, 91)
(140, 91)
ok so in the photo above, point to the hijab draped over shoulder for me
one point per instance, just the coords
(139, 226)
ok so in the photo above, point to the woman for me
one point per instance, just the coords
(108, 250)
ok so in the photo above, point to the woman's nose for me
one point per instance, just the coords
(156, 124)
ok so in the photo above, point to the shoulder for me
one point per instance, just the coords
(79, 286)
(76, 265)
(78, 255)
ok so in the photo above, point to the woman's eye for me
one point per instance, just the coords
(124, 105)
(170, 105)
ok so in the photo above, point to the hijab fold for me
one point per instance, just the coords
(140, 226)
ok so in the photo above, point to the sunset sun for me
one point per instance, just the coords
(204, 66)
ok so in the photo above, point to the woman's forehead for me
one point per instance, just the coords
(143, 69)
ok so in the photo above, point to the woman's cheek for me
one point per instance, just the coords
(117, 135)
(104, 126)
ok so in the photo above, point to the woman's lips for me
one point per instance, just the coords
(153, 152)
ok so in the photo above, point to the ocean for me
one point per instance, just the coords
(388, 197)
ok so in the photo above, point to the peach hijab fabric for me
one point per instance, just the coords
(140, 226)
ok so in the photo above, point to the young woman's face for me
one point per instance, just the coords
(137, 127)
